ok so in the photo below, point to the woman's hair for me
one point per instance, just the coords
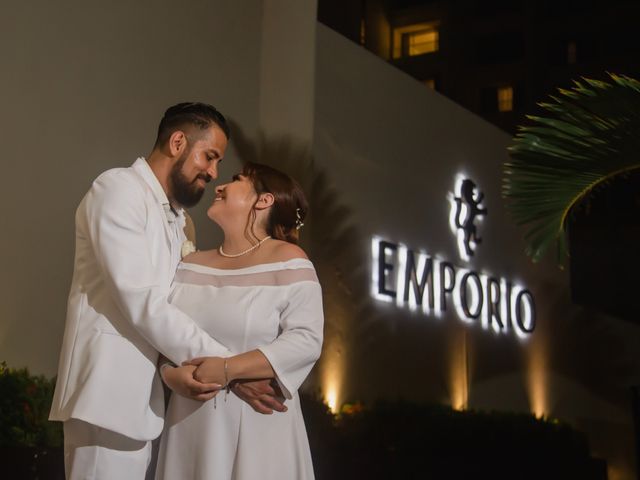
(289, 207)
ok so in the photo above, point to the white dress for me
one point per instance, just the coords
(277, 308)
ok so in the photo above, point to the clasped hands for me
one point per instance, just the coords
(202, 378)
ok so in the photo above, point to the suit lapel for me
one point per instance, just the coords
(148, 178)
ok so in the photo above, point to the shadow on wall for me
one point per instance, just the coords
(609, 362)
(333, 243)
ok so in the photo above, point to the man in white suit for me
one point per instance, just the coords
(129, 234)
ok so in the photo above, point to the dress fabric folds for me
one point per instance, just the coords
(277, 308)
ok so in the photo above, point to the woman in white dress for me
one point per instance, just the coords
(259, 295)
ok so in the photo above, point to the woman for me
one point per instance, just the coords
(258, 294)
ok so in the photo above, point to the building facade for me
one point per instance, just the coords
(428, 294)
(496, 58)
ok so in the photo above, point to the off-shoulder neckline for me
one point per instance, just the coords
(261, 267)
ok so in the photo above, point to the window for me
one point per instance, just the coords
(420, 42)
(505, 99)
(578, 49)
(413, 40)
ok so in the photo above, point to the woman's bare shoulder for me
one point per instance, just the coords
(200, 257)
(282, 251)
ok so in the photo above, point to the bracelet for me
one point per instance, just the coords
(226, 380)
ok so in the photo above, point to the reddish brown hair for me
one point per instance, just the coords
(289, 207)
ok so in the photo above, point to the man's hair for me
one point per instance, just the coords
(200, 115)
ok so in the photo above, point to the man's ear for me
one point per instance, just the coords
(265, 200)
(177, 143)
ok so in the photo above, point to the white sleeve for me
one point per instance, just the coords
(294, 352)
(114, 213)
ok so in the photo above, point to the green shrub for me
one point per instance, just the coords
(25, 401)
(415, 441)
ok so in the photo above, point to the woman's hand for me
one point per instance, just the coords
(181, 381)
(208, 370)
(248, 365)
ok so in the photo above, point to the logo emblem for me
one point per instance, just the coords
(465, 211)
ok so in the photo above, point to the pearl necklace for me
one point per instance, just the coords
(234, 255)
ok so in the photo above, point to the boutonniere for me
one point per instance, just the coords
(187, 248)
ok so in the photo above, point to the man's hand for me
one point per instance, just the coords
(180, 380)
(208, 369)
(264, 396)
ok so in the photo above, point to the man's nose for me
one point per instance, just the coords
(220, 188)
(212, 169)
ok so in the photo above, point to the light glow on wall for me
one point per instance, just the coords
(537, 381)
(452, 217)
(521, 309)
(331, 397)
(400, 282)
(459, 371)
(457, 297)
(460, 217)
(504, 306)
(375, 280)
(331, 367)
(436, 290)
(413, 299)
(332, 374)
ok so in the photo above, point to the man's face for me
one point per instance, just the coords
(197, 165)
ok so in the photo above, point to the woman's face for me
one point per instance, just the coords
(233, 201)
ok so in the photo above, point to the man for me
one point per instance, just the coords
(129, 233)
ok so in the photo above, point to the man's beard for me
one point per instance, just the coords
(186, 193)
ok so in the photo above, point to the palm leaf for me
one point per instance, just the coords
(590, 136)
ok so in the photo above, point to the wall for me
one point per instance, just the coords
(84, 86)
(392, 149)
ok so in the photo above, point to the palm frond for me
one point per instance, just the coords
(590, 136)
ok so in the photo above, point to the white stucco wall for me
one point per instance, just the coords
(83, 87)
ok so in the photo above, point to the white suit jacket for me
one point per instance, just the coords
(118, 314)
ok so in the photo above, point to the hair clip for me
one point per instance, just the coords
(299, 223)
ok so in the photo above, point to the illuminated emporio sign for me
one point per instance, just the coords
(421, 282)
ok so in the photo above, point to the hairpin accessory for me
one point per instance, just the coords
(299, 223)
